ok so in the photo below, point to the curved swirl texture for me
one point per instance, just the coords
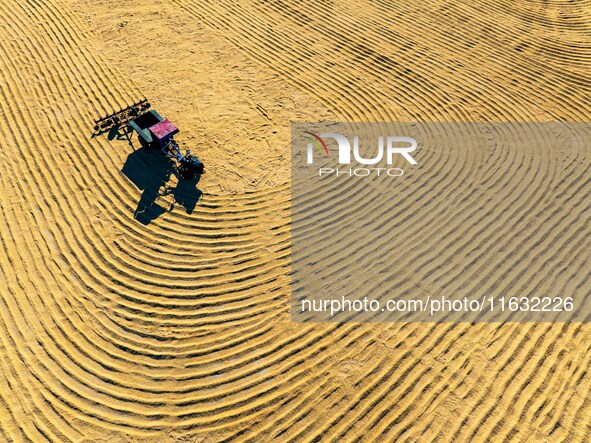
(179, 329)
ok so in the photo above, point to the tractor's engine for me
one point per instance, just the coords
(190, 166)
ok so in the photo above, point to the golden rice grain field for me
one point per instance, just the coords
(137, 309)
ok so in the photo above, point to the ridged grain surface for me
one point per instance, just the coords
(179, 330)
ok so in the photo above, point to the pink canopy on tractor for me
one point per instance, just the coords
(163, 130)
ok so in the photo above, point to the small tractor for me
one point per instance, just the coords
(154, 131)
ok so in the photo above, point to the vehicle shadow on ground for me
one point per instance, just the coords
(115, 133)
(150, 171)
(186, 193)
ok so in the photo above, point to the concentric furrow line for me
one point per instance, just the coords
(65, 130)
(513, 208)
(256, 27)
(180, 327)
